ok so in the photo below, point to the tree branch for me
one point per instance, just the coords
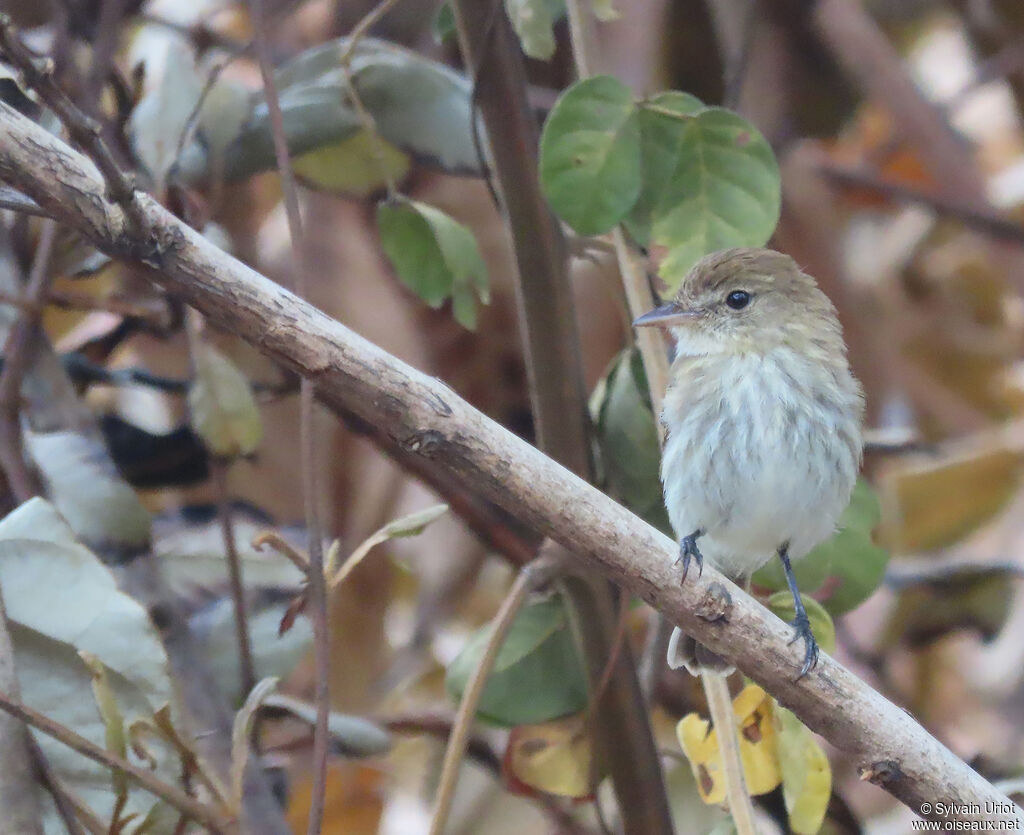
(425, 418)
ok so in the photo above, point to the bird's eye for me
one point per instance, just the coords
(738, 299)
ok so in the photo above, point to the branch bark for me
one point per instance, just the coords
(427, 419)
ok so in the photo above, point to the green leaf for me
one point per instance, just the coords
(419, 106)
(534, 22)
(781, 604)
(590, 155)
(724, 192)
(434, 256)
(604, 10)
(845, 569)
(221, 404)
(443, 25)
(537, 675)
(661, 135)
(627, 437)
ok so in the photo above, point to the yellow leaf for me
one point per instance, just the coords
(806, 774)
(934, 503)
(757, 739)
(554, 757)
(223, 410)
(357, 166)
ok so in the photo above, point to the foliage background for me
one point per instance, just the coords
(930, 301)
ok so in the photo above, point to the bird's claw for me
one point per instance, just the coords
(802, 629)
(688, 550)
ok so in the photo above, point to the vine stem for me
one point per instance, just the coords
(308, 457)
(640, 299)
(529, 577)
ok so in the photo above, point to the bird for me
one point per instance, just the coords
(763, 421)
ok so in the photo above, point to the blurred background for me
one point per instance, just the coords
(899, 130)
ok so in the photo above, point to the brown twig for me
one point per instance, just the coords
(986, 221)
(426, 419)
(317, 590)
(66, 807)
(247, 667)
(17, 202)
(199, 812)
(17, 356)
(83, 129)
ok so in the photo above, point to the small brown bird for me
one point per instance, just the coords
(763, 420)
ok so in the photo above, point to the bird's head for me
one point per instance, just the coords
(747, 301)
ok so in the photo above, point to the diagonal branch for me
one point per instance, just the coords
(424, 417)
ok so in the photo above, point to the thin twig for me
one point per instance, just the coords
(17, 356)
(15, 201)
(363, 26)
(83, 129)
(990, 222)
(307, 441)
(736, 66)
(283, 547)
(199, 812)
(530, 576)
(246, 665)
(48, 779)
(483, 754)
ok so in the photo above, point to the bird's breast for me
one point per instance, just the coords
(761, 450)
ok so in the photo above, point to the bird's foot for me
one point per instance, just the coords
(802, 629)
(688, 550)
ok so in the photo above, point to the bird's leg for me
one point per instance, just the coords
(801, 623)
(688, 550)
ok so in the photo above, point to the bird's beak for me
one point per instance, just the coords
(666, 316)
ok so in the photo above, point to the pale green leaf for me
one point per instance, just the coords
(221, 404)
(806, 773)
(534, 22)
(102, 510)
(351, 736)
(781, 604)
(61, 602)
(537, 676)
